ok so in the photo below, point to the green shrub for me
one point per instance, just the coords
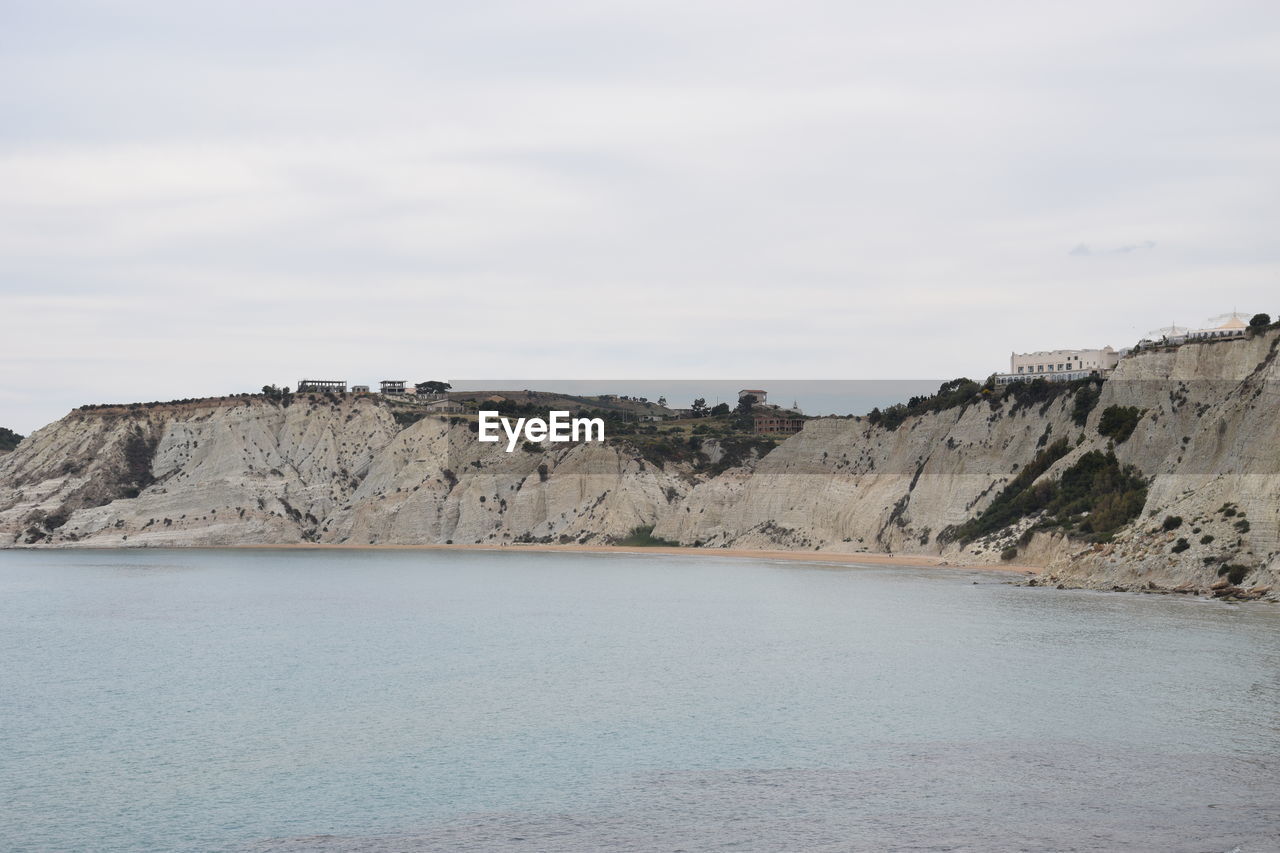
(1009, 553)
(1086, 399)
(1012, 502)
(736, 450)
(1234, 573)
(1037, 391)
(405, 417)
(642, 537)
(8, 439)
(1180, 546)
(1172, 522)
(956, 393)
(661, 449)
(139, 451)
(1095, 497)
(1206, 539)
(1119, 422)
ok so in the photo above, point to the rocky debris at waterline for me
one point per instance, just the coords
(1221, 589)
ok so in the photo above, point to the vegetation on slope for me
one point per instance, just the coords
(655, 442)
(407, 417)
(1093, 498)
(1042, 392)
(8, 439)
(1118, 422)
(960, 393)
(1087, 397)
(139, 450)
(642, 537)
(956, 393)
(1009, 506)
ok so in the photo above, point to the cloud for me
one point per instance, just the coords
(1083, 250)
(206, 197)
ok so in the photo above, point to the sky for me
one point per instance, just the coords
(200, 198)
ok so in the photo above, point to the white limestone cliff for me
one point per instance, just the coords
(342, 470)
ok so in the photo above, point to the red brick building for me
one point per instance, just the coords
(776, 423)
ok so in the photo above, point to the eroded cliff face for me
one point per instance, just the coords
(253, 471)
(342, 470)
(1208, 441)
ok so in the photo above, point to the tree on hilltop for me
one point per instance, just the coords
(1260, 321)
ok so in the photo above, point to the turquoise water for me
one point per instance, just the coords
(360, 700)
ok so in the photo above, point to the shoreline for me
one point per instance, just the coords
(1028, 573)
(922, 561)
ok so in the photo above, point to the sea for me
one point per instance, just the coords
(399, 700)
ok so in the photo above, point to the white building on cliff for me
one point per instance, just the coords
(1059, 365)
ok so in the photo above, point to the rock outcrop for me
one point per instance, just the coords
(341, 469)
(1208, 440)
(320, 469)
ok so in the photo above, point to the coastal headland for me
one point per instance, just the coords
(1161, 474)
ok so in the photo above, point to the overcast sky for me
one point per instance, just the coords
(199, 198)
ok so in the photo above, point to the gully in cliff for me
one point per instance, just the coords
(559, 428)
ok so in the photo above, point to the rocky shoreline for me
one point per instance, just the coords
(1222, 589)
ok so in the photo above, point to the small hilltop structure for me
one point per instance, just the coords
(336, 386)
(1233, 324)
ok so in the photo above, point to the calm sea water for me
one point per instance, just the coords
(387, 701)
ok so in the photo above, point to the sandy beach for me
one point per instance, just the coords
(862, 559)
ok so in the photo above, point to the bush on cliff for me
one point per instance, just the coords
(1013, 501)
(407, 417)
(1234, 573)
(957, 393)
(738, 450)
(1118, 422)
(642, 537)
(1042, 392)
(1087, 397)
(1094, 498)
(8, 439)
